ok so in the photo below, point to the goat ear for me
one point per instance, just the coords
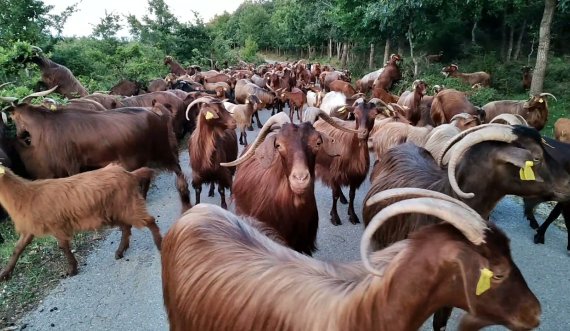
(331, 146)
(265, 153)
(520, 158)
(209, 114)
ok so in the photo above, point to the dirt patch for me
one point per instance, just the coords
(39, 270)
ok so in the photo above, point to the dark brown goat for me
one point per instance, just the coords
(527, 77)
(343, 87)
(274, 182)
(296, 99)
(351, 168)
(213, 142)
(534, 110)
(54, 74)
(63, 143)
(64, 206)
(107, 101)
(327, 77)
(127, 88)
(390, 74)
(412, 100)
(408, 165)
(450, 102)
(223, 272)
(175, 67)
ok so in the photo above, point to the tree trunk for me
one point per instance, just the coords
(410, 37)
(338, 51)
(510, 48)
(344, 56)
(371, 57)
(473, 40)
(531, 51)
(543, 46)
(400, 46)
(503, 36)
(519, 41)
(330, 49)
(386, 51)
(309, 49)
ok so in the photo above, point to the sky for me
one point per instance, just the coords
(91, 11)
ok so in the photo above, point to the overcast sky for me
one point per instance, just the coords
(91, 11)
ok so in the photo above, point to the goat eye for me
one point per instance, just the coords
(277, 146)
(536, 160)
(498, 277)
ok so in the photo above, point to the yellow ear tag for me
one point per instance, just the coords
(540, 100)
(526, 173)
(484, 282)
(209, 115)
(342, 110)
(2, 171)
(53, 107)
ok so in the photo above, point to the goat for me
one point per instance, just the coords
(57, 75)
(63, 143)
(351, 168)
(334, 104)
(479, 77)
(223, 272)
(534, 110)
(364, 84)
(412, 100)
(274, 181)
(244, 88)
(527, 77)
(214, 141)
(327, 77)
(107, 101)
(243, 114)
(450, 102)
(432, 58)
(127, 88)
(384, 95)
(316, 73)
(315, 97)
(296, 99)
(175, 67)
(65, 206)
(343, 87)
(562, 130)
(158, 84)
(390, 74)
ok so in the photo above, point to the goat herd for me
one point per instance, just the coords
(442, 164)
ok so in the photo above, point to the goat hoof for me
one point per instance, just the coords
(259, 125)
(118, 256)
(5, 275)
(533, 224)
(71, 273)
(343, 200)
(353, 219)
(250, 128)
(336, 221)
(211, 194)
(538, 239)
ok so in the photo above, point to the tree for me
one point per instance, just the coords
(58, 21)
(23, 20)
(543, 46)
(107, 27)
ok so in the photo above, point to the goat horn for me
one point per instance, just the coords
(39, 94)
(390, 108)
(200, 100)
(269, 87)
(548, 94)
(279, 119)
(37, 49)
(312, 113)
(472, 226)
(502, 133)
(511, 119)
(8, 83)
(460, 136)
(8, 99)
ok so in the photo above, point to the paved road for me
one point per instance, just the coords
(126, 294)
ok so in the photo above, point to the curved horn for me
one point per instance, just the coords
(415, 84)
(390, 108)
(311, 114)
(37, 49)
(269, 87)
(548, 94)
(502, 133)
(279, 119)
(511, 119)
(39, 94)
(200, 100)
(449, 144)
(473, 227)
(8, 99)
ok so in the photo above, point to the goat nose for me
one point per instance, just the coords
(301, 176)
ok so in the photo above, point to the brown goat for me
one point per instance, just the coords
(364, 84)
(244, 88)
(296, 100)
(390, 74)
(274, 181)
(243, 115)
(62, 207)
(448, 103)
(63, 143)
(351, 168)
(432, 58)
(221, 272)
(527, 77)
(343, 87)
(412, 100)
(54, 74)
(384, 95)
(562, 130)
(175, 67)
(107, 101)
(127, 88)
(534, 110)
(213, 142)
(479, 77)
(327, 77)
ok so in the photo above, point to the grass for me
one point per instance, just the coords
(39, 270)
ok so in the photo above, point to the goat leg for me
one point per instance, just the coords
(259, 125)
(63, 244)
(441, 317)
(335, 219)
(539, 236)
(472, 323)
(124, 244)
(156, 237)
(182, 187)
(342, 197)
(529, 205)
(250, 127)
(211, 191)
(352, 217)
(197, 190)
(244, 138)
(222, 192)
(22, 243)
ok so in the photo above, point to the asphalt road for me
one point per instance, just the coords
(126, 294)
